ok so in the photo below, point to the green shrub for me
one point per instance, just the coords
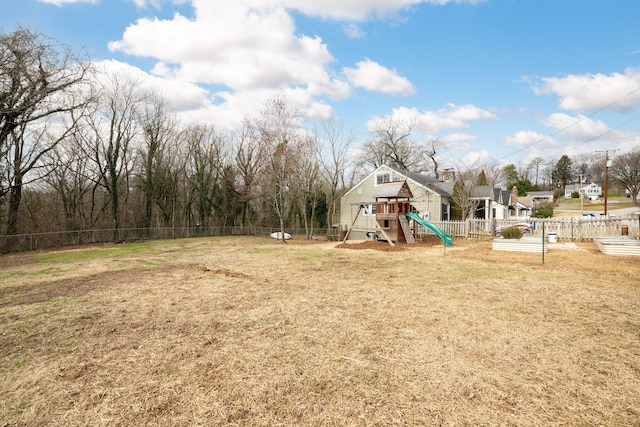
(543, 213)
(512, 233)
(544, 210)
(575, 195)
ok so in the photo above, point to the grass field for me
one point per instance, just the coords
(251, 332)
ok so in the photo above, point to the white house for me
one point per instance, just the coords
(591, 191)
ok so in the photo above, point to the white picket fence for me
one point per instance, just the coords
(567, 229)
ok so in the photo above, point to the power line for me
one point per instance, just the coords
(574, 124)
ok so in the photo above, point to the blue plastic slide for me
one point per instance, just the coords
(446, 238)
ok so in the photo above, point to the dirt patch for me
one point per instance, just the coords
(383, 245)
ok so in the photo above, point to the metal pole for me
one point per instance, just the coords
(606, 181)
(581, 197)
(543, 242)
(607, 165)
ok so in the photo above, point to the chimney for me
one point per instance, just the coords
(449, 175)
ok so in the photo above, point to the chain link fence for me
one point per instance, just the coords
(40, 241)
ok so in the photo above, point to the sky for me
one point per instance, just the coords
(496, 81)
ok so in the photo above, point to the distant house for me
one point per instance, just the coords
(523, 208)
(591, 191)
(507, 205)
(540, 196)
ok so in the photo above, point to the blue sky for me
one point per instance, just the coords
(498, 81)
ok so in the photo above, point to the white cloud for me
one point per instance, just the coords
(590, 92)
(65, 2)
(353, 30)
(179, 95)
(359, 10)
(576, 128)
(246, 51)
(374, 77)
(236, 46)
(250, 47)
(458, 138)
(194, 104)
(523, 138)
(156, 3)
(451, 117)
(475, 158)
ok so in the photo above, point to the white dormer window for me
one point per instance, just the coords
(381, 178)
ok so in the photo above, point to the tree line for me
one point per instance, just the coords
(85, 148)
(82, 148)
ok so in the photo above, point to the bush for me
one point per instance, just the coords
(544, 210)
(543, 213)
(575, 195)
(512, 233)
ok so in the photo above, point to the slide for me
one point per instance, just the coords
(446, 238)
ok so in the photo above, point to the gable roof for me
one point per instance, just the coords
(526, 201)
(434, 184)
(483, 192)
(393, 190)
(539, 194)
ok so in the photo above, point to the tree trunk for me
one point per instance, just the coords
(15, 197)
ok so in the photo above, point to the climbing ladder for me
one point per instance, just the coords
(406, 229)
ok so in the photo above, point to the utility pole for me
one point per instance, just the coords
(581, 197)
(607, 164)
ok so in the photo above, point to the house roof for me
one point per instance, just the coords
(443, 189)
(483, 192)
(502, 196)
(393, 190)
(536, 194)
(526, 201)
(440, 187)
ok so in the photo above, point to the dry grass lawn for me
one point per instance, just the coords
(251, 332)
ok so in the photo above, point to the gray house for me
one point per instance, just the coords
(431, 197)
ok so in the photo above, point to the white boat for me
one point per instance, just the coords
(278, 235)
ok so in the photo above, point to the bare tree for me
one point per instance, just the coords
(43, 91)
(625, 170)
(535, 164)
(590, 166)
(464, 203)
(431, 150)
(392, 143)
(158, 128)
(279, 128)
(335, 162)
(305, 180)
(69, 176)
(250, 159)
(206, 162)
(113, 130)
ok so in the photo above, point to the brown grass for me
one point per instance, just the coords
(251, 332)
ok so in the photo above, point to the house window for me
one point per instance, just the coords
(381, 178)
(359, 190)
(371, 210)
(386, 223)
